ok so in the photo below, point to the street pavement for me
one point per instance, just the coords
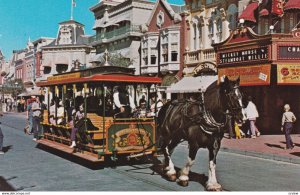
(25, 167)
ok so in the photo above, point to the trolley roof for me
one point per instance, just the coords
(99, 74)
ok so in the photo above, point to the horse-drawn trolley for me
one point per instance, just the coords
(102, 131)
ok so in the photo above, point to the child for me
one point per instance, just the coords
(238, 132)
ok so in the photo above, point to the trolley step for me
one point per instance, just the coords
(61, 147)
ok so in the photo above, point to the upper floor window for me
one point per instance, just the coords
(174, 52)
(195, 36)
(211, 27)
(165, 53)
(47, 70)
(193, 4)
(219, 25)
(199, 3)
(232, 21)
(209, 1)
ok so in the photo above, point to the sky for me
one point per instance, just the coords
(24, 19)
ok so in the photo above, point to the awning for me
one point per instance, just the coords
(248, 13)
(34, 92)
(292, 4)
(263, 13)
(192, 84)
(117, 20)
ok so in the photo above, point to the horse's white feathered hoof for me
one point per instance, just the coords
(183, 183)
(213, 187)
(171, 177)
(183, 180)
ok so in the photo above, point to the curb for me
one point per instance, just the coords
(262, 155)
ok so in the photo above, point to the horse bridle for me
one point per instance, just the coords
(232, 98)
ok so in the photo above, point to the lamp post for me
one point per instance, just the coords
(242, 21)
(76, 65)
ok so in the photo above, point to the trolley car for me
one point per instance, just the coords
(93, 88)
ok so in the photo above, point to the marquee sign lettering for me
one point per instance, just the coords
(289, 52)
(296, 33)
(247, 55)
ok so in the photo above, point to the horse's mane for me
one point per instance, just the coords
(212, 96)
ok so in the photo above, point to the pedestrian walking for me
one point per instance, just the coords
(252, 115)
(1, 138)
(288, 118)
(28, 128)
(36, 113)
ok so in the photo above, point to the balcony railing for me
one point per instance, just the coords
(114, 33)
(198, 56)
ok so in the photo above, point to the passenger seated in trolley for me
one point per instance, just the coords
(52, 112)
(60, 113)
(123, 103)
(142, 110)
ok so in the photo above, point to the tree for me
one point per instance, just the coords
(13, 87)
(118, 59)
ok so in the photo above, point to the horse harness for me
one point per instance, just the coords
(203, 118)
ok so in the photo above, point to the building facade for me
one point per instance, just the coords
(268, 66)
(163, 42)
(209, 22)
(71, 44)
(270, 16)
(117, 25)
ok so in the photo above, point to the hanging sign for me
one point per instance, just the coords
(288, 74)
(249, 76)
(291, 52)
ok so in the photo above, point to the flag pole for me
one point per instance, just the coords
(72, 9)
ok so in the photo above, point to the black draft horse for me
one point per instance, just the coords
(202, 125)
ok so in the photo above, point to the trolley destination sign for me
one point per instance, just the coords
(246, 55)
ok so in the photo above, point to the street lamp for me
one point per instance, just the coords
(16, 87)
(242, 21)
(76, 65)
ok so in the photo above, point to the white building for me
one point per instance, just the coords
(70, 44)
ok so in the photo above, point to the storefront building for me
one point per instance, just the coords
(269, 69)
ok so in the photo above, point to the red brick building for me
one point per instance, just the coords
(164, 42)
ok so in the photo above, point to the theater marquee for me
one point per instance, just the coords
(289, 52)
(250, 75)
(245, 55)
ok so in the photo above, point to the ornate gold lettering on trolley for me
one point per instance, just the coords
(131, 138)
(74, 75)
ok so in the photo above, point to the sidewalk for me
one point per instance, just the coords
(265, 146)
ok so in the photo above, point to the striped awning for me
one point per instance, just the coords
(263, 13)
(292, 4)
(192, 84)
(248, 13)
